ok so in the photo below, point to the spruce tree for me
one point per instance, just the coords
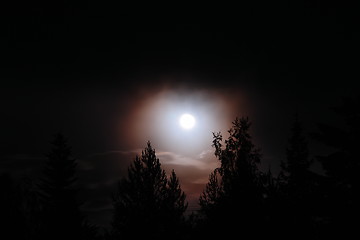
(61, 218)
(342, 167)
(12, 217)
(147, 199)
(175, 197)
(297, 155)
(211, 195)
(298, 185)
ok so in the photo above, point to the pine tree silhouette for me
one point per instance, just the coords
(19, 207)
(62, 218)
(233, 198)
(146, 199)
(211, 195)
(31, 206)
(274, 202)
(297, 154)
(299, 186)
(175, 200)
(342, 169)
(12, 217)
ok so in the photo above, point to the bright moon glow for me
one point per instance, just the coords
(159, 119)
(187, 121)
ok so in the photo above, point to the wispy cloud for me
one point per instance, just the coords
(205, 160)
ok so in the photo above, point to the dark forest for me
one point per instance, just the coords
(238, 200)
(179, 122)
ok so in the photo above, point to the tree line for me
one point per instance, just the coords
(239, 199)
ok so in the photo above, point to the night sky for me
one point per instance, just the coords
(110, 78)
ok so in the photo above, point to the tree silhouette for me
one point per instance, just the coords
(233, 197)
(342, 167)
(61, 215)
(12, 217)
(175, 200)
(31, 206)
(212, 194)
(342, 163)
(146, 199)
(299, 186)
(297, 154)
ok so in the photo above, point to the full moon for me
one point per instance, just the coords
(187, 121)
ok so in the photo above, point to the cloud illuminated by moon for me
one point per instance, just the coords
(157, 120)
